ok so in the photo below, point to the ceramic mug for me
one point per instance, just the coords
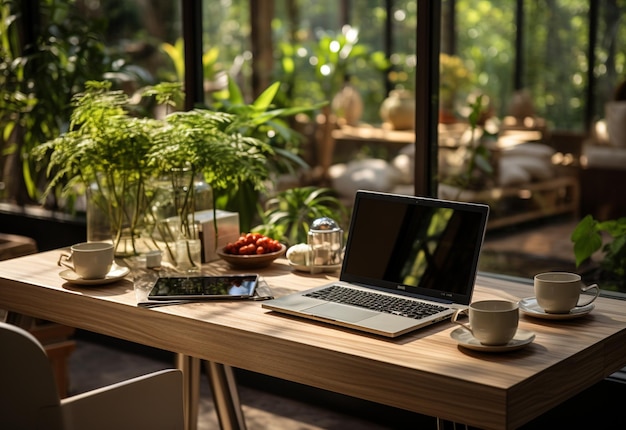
(559, 292)
(90, 260)
(491, 322)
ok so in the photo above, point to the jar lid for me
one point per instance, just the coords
(324, 224)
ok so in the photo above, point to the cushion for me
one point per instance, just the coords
(615, 113)
(530, 149)
(537, 168)
(603, 156)
(368, 174)
(512, 174)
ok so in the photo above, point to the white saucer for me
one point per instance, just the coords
(116, 273)
(305, 268)
(530, 307)
(467, 340)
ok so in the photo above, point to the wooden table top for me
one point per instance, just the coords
(425, 371)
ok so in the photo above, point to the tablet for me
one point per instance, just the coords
(204, 287)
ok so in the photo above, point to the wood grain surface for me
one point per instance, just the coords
(424, 371)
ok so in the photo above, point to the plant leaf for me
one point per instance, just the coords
(234, 93)
(587, 239)
(264, 101)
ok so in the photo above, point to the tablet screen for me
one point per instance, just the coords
(204, 287)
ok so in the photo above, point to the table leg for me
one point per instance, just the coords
(223, 387)
(190, 366)
(449, 425)
(226, 396)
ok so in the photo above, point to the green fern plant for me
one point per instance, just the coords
(122, 155)
(288, 215)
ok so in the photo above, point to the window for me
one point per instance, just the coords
(568, 54)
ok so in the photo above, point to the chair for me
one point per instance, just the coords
(29, 397)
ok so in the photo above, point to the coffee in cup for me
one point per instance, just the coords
(491, 322)
(559, 292)
(90, 260)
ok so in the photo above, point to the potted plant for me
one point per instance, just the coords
(104, 152)
(609, 237)
(288, 215)
(206, 143)
(121, 157)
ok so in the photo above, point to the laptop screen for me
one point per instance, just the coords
(415, 245)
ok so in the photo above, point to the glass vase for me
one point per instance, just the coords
(180, 195)
(118, 214)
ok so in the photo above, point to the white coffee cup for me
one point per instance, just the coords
(559, 292)
(90, 260)
(491, 322)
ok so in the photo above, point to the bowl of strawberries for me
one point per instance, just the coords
(252, 251)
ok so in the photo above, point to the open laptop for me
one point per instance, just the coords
(413, 249)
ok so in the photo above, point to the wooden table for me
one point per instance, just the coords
(424, 372)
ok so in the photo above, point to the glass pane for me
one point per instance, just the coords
(610, 66)
(540, 186)
(555, 55)
(226, 45)
(319, 48)
(485, 33)
(139, 34)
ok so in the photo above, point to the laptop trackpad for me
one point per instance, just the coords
(339, 312)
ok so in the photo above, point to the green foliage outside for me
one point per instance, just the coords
(308, 69)
(36, 85)
(554, 66)
(590, 236)
(478, 165)
(38, 79)
(554, 57)
(268, 123)
(554, 54)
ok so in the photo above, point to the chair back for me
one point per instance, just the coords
(28, 393)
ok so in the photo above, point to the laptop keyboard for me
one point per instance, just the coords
(377, 302)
